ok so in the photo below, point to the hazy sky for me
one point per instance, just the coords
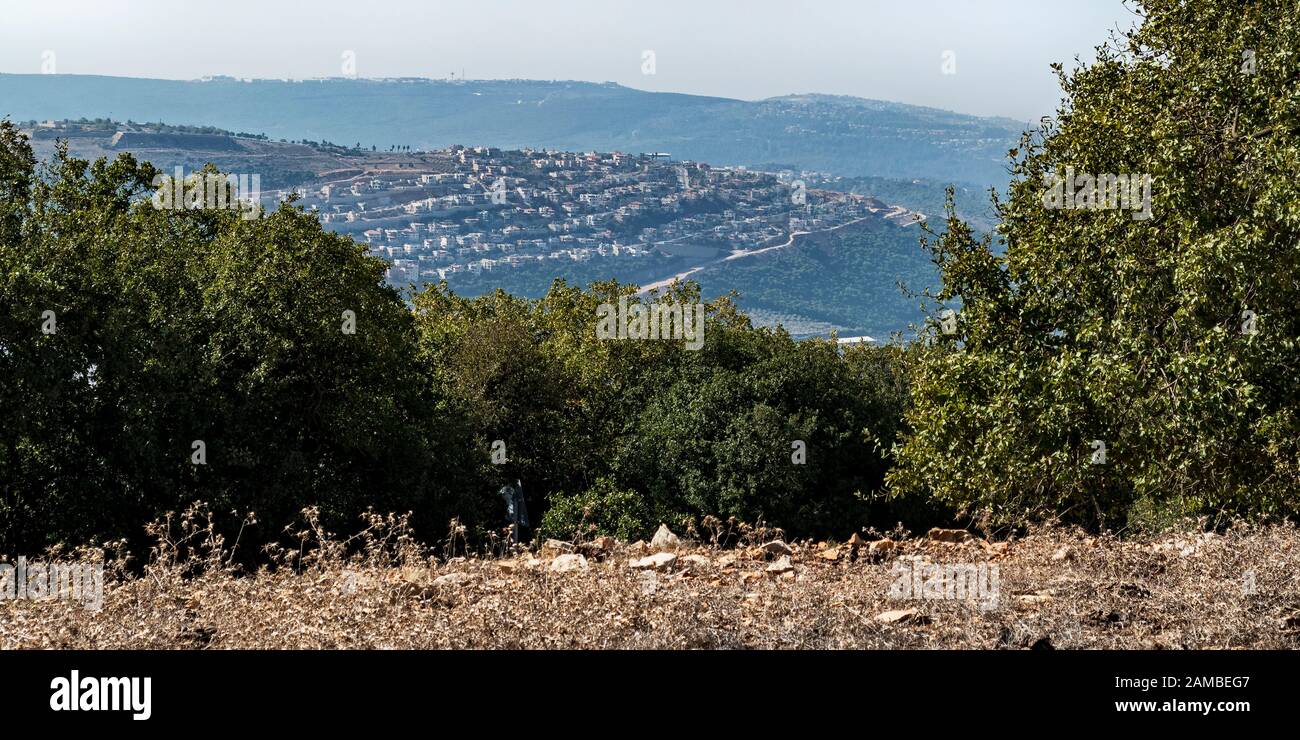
(885, 49)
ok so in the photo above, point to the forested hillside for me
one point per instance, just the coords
(867, 280)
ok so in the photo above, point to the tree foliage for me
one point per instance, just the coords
(131, 336)
(620, 435)
(1170, 340)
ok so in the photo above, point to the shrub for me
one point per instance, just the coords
(602, 509)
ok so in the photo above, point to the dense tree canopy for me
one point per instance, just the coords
(1112, 367)
(619, 436)
(153, 357)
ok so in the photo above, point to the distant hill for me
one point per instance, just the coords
(924, 196)
(844, 135)
(845, 280)
(858, 280)
(279, 165)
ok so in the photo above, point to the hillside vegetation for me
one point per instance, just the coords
(1116, 367)
(866, 279)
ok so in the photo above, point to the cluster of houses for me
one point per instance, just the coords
(469, 209)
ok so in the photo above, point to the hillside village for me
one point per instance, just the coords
(486, 209)
(463, 210)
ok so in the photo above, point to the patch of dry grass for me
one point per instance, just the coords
(1056, 587)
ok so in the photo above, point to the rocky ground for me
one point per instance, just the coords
(1050, 589)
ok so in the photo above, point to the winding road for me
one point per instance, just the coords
(741, 253)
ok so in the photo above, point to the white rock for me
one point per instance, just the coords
(898, 616)
(782, 565)
(658, 561)
(556, 547)
(568, 562)
(649, 582)
(777, 548)
(664, 539)
(697, 562)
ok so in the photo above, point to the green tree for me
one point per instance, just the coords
(1167, 343)
(621, 435)
(129, 333)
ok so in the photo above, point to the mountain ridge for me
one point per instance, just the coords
(832, 133)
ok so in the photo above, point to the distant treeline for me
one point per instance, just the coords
(108, 125)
